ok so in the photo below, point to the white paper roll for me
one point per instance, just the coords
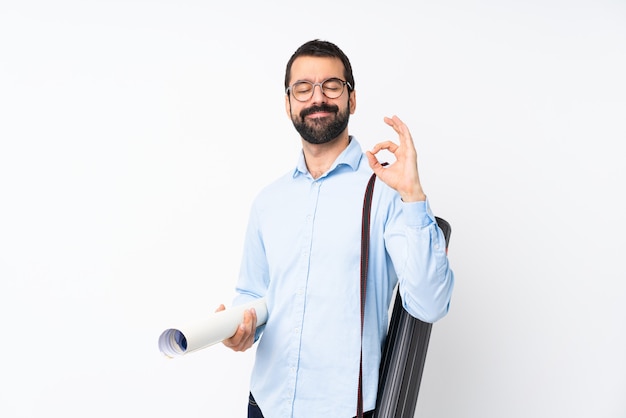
(175, 342)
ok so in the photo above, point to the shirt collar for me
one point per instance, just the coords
(351, 157)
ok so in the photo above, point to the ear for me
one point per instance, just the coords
(352, 101)
(287, 106)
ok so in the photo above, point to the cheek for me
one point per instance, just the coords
(294, 111)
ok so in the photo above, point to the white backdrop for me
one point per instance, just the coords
(132, 145)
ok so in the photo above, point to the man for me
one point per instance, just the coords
(302, 252)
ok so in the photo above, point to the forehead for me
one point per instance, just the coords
(316, 68)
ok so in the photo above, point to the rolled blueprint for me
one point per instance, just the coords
(175, 342)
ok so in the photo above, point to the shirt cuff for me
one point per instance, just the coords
(418, 214)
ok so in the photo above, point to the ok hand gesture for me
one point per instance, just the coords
(402, 175)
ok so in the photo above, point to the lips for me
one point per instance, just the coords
(319, 111)
(318, 114)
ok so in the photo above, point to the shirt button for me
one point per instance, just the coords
(296, 330)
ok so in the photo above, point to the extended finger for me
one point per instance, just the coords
(400, 127)
(395, 123)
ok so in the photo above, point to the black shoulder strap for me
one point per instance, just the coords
(365, 240)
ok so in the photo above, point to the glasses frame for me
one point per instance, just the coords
(344, 83)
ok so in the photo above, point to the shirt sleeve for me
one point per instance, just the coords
(417, 248)
(254, 272)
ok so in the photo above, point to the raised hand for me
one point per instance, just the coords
(402, 175)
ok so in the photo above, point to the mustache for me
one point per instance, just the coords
(319, 108)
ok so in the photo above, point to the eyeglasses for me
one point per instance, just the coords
(331, 88)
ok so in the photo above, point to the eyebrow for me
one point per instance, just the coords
(309, 81)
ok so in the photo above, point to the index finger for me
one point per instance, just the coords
(400, 127)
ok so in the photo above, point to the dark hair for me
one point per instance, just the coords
(318, 48)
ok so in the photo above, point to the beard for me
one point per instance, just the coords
(321, 130)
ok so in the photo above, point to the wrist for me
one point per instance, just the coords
(413, 196)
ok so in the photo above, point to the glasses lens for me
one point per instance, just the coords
(302, 90)
(332, 88)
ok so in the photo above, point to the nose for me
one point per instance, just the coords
(318, 95)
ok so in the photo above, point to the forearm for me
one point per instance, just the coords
(426, 279)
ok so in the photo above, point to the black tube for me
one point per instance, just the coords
(404, 356)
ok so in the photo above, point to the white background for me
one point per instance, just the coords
(135, 134)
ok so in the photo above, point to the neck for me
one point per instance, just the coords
(320, 157)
